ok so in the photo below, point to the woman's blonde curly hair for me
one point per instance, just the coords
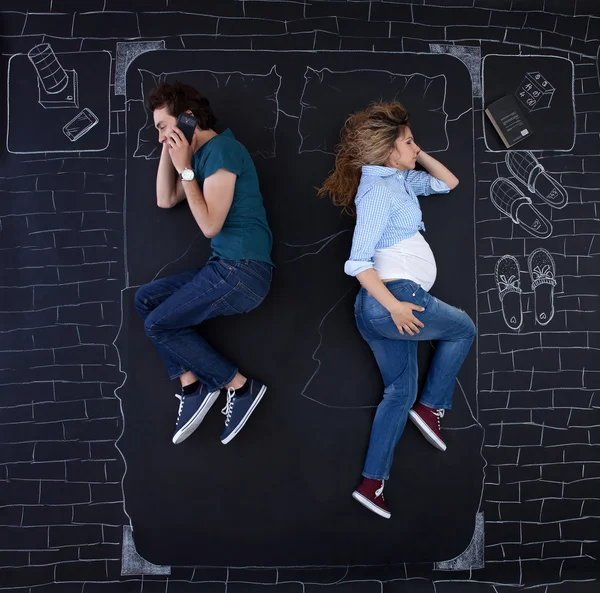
(367, 138)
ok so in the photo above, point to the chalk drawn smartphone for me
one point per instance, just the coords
(81, 124)
(187, 124)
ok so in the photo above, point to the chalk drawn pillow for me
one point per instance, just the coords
(253, 124)
(329, 97)
(147, 144)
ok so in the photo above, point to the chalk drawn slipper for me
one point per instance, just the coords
(543, 280)
(507, 275)
(525, 167)
(509, 199)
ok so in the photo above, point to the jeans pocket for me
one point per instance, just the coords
(222, 268)
(419, 297)
(384, 325)
(240, 299)
(259, 270)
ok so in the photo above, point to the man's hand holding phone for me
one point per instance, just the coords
(180, 150)
(180, 140)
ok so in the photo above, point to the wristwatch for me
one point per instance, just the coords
(187, 174)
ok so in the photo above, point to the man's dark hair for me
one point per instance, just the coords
(179, 97)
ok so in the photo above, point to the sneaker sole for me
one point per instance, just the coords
(426, 431)
(194, 422)
(243, 421)
(369, 505)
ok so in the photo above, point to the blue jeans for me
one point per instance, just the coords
(172, 306)
(396, 355)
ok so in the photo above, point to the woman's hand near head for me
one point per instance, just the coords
(435, 168)
(404, 318)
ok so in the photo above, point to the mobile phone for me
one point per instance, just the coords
(187, 124)
(81, 124)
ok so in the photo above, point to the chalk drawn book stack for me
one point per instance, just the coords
(508, 120)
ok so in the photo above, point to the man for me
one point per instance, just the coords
(217, 177)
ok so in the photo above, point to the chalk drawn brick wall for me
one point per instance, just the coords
(61, 241)
(541, 475)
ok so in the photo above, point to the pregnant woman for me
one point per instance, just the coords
(375, 177)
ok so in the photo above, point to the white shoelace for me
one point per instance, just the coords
(439, 414)
(379, 491)
(180, 398)
(228, 409)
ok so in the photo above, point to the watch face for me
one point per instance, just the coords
(187, 175)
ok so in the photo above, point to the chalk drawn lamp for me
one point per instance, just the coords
(57, 87)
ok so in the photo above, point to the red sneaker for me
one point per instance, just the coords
(370, 495)
(427, 420)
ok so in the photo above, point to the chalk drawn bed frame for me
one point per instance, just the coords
(279, 494)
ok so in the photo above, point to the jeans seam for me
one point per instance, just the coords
(237, 370)
(157, 296)
(187, 362)
(171, 311)
(435, 406)
(215, 305)
(390, 458)
(249, 270)
(252, 293)
(173, 377)
(373, 477)
(228, 268)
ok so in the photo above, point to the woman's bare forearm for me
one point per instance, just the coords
(370, 281)
(435, 168)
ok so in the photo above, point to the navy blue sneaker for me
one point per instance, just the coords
(238, 408)
(192, 409)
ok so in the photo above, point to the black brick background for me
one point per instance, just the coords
(61, 243)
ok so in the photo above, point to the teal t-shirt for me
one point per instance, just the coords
(245, 233)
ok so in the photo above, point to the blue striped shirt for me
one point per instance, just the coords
(387, 211)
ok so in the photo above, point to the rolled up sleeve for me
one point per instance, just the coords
(372, 215)
(425, 184)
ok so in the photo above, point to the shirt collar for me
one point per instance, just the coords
(379, 171)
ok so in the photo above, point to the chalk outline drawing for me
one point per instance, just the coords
(525, 83)
(65, 151)
(325, 241)
(91, 119)
(320, 75)
(525, 167)
(469, 55)
(64, 90)
(508, 281)
(473, 556)
(542, 271)
(509, 199)
(132, 563)
(128, 51)
(155, 154)
(344, 569)
(483, 116)
(128, 286)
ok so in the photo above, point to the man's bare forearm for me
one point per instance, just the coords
(199, 207)
(166, 180)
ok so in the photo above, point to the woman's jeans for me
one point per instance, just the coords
(396, 355)
(172, 306)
